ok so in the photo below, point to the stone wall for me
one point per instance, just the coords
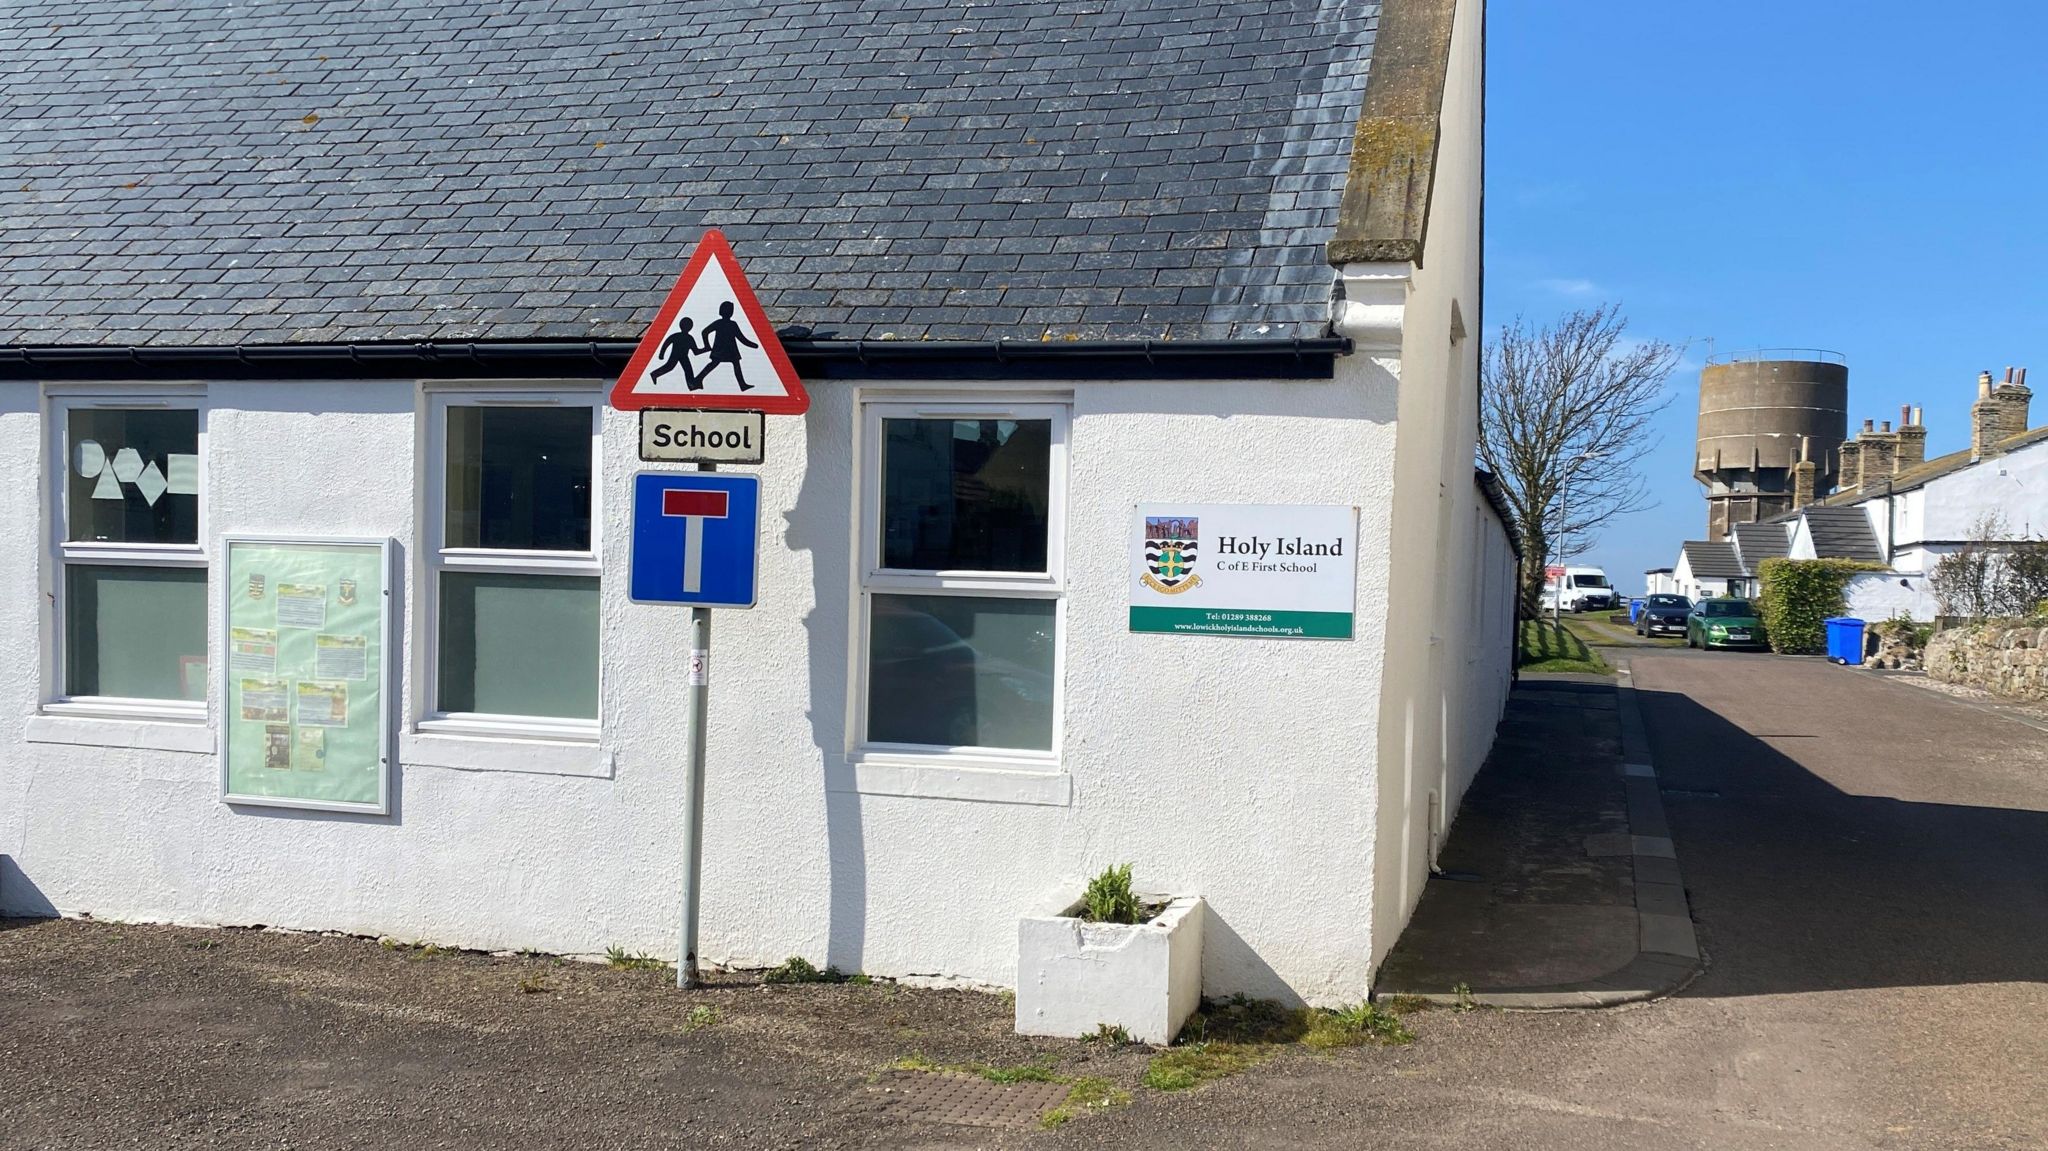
(2011, 661)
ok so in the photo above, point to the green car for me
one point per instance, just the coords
(1724, 623)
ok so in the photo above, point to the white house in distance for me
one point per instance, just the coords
(317, 501)
(1903, 512)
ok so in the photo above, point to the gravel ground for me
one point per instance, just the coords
(1866, 863)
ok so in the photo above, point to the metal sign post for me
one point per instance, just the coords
(696, 542)
(693, 795)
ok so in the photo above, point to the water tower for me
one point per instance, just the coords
(1758, 411)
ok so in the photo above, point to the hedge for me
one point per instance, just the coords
(1798, 595)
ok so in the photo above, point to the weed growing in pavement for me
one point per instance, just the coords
(619, 959)
(916, 1062)
(1088, 1093)
(1242, 1019)
(531, 953)
(1465, 1001)
(418, 949)
(861, 979)
(1113, 1036)
(1355, 1025)
(702, 1015)
(1405, 1004)
(1179, 1068)
(534, 985)
(797, 969)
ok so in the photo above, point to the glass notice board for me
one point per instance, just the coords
(304, 673)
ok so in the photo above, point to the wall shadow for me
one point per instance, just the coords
(22, 900)
(1798, 886)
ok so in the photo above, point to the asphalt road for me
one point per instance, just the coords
(1868, 863)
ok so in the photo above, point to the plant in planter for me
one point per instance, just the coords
(1115, 958)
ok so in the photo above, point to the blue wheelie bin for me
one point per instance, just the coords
(1845, 640)
(1635, 608)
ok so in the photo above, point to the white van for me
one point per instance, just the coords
(1584, 589)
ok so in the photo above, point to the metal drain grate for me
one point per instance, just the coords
(944, 1097)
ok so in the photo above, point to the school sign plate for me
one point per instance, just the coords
(1274, 571)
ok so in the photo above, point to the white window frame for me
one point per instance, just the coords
(65, 552)
(878, 759)
(439, 558)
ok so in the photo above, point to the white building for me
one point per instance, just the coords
(1903, 512)
(1032, 282)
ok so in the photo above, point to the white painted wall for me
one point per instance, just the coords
(1445, 685)
(1930, 520)
(1238, 769)
(1877, 596)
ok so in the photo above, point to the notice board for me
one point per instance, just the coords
(304, 677)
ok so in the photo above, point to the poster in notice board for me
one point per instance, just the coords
(304, 689)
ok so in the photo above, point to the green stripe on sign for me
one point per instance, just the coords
(1238, 621)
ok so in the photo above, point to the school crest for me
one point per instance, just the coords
(346, 596)
(1171, 547)
(256, 587)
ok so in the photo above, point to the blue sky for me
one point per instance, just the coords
(1864, 177)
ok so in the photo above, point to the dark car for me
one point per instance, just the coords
(1724, 623)
(1662, 614)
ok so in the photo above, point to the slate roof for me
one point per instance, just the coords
(1711, 560)
(313, 170)
(1757, 542)
(1841, 533)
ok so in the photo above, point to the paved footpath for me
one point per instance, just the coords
(1867, 861)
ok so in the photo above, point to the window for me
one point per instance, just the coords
(132, 589)
(515, 562)
(961, 581)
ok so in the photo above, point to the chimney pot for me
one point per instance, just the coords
(1869, 426)
(1887, 426)
(1916, 415)
(1984, 385)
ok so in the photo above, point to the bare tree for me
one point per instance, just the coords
(1564, 422)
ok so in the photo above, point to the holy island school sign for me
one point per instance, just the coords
(1276, 571)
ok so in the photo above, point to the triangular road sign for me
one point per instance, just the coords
(710, 346)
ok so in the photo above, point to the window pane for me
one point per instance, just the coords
(519, 644)
(965, 495)
(519, 478)
(133, 476)
(135, 632)
(961, 671)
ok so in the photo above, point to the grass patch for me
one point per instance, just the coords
(1084, 1094)
(797, 969)
(415, 950)
(618, 959)
(1544, 646)
(1088, 1093)
(1405, 1004)
(1354, 1026)
(701, 1016)
(534, 985)
(1179, 1068)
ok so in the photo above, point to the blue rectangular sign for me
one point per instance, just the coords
(696, 539)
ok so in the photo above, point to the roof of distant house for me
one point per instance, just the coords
(304, 171)
(1757, 542)
(1921, 474)
(1841, 533)
(1709, 560)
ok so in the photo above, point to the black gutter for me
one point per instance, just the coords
(1293, 359)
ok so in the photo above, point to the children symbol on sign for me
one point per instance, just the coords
(676, 352)
(722, 339)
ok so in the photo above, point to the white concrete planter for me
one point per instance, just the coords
(1074, 976)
